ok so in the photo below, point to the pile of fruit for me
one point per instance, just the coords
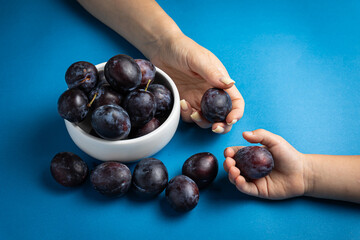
(122, 101)
(148, 180)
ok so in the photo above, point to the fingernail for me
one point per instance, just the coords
(227, 80)
(218, 129)
(196, 116)
(233, 122)
(183, 105)
(249, 132)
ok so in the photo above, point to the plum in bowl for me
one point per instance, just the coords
(128, 150)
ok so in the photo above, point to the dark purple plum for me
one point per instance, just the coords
(202, 168)
(72, 105)
(122, 73)
(141, 107)
(254, 162)
(111, 122)
(150, 177)
(147, 128)
(182, 193)
(82, 75)
(68, 169)
(111, 179)
(104, 95)
(215, 105)
(164, 99)
(148, 71)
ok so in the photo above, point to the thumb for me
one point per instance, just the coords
(212, 73)
(263, 137)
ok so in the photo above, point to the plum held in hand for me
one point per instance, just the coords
(111, 122)
(111, 179)
(68, 169)
(147, 128)
(122, 73)
(141, 106)
(150, 177)
(104, 95)
(82, 75)
(182, 193)
(72, 105)
(215, 105)
(148, 71)
(202, 168)
(254, 162)
(164, 99)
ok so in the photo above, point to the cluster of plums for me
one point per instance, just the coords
(122, 101)
(149, 178)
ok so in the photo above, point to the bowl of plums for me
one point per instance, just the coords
(123, 110)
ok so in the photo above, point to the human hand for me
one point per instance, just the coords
(195, 69)
(286, 180)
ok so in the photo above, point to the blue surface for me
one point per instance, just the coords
(297, 64)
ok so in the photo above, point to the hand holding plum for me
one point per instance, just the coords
(286, 178)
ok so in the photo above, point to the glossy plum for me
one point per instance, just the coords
(104, 95)
(254, 162)
(111, 179)
(150, 177)
(148, 71)
(182, 193)
(141, 107)
(68, 169)
(122, 73)
(147, 128)
(164, 99)
(111, 122)
(82, 75)
(72, 105)
(202, 168)
(215, 105)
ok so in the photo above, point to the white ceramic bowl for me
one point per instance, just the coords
(129, 150)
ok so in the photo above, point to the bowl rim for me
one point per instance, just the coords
(145, 137)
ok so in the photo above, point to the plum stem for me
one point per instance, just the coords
(86, 79)
(92, 100)
(147, 85)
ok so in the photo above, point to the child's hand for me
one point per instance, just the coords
(286, 179)
(194, 70)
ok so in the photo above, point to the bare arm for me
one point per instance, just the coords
(333, 177)
(193, 68)
(297, 174)
(142, 22)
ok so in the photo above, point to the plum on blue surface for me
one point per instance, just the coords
(150, 177)
(254, 162)
(73, 105)
(163, 97)
(68, 169)
(202, 168)
(141, 107)
(182, 193)
(82, 75)
(215, 105)
(122, 73)
(111, 122)
(148, 71)
(111, 179)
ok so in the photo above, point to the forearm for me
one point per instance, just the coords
(333, 177)
(142, 22)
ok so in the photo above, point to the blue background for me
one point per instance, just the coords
(297, 64)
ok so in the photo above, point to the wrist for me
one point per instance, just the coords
(308, 174)
(160, 39)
